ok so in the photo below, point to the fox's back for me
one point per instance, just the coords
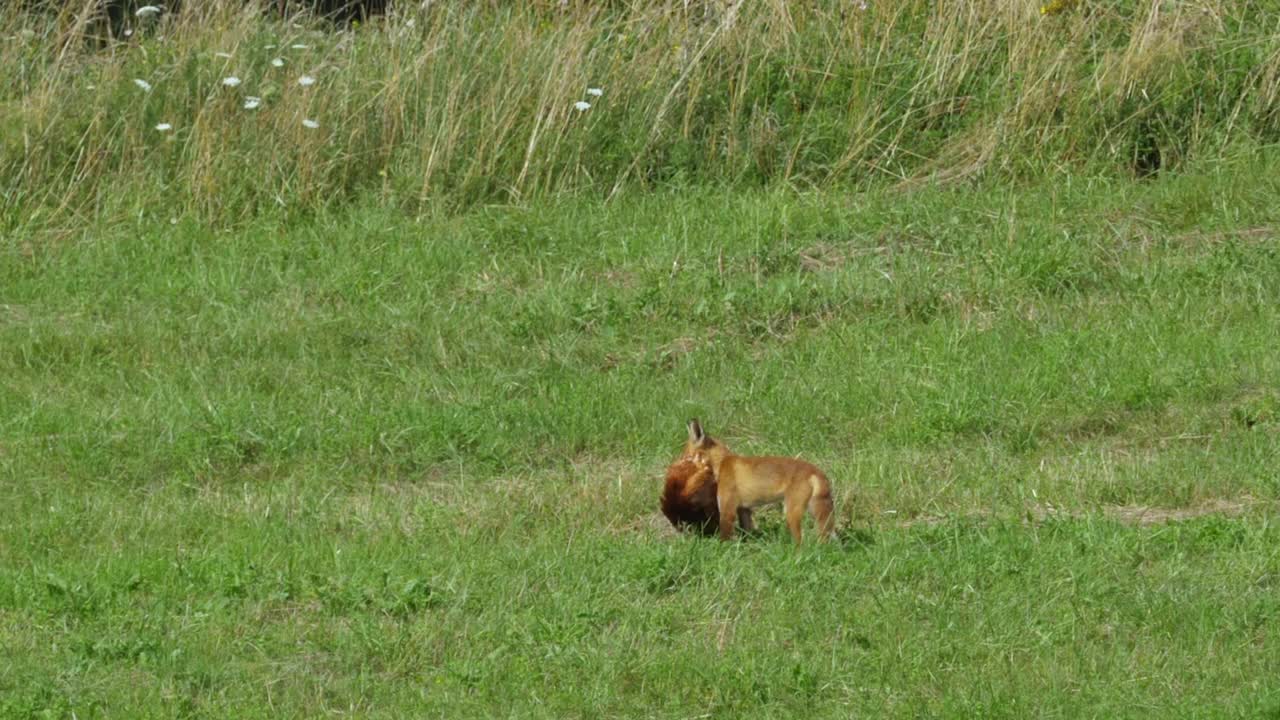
(765, 479)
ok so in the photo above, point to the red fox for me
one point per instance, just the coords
(689, 497)
(743, 483)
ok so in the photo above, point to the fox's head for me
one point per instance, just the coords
(701, 447)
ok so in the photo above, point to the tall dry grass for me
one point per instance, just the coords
(457, 103)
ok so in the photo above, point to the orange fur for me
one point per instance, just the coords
(743, 483)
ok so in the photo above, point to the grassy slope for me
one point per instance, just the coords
(463, 104)
(411, 467)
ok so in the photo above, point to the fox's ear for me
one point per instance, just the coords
(695, 432)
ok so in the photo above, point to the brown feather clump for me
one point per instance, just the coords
(689, 497)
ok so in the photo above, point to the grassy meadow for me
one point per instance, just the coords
(370, 419)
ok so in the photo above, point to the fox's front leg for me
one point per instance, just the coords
(728, 503)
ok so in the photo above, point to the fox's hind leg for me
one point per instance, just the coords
(795, 518)
(794, 503)
(823, 509)
(746, 520)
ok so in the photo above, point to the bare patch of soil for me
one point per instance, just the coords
(651, 525)
(1254, 234)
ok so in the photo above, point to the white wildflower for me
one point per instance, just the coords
(582, 106)
(164, 127)
(309, 123)
(147, 11)
(306, 81)
(231, 81)
(128, 32)
(146, 86)
(595, 92)
(277, 62)
(252, 103)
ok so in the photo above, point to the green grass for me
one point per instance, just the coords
(395, 466)
(371, 420)
(288, 599)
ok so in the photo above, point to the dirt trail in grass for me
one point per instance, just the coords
(1141, 515)
(1152, 515)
